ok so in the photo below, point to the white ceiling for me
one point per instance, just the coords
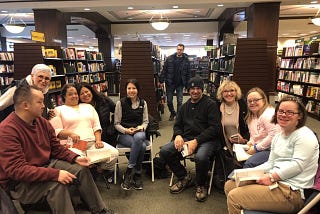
(132, 24)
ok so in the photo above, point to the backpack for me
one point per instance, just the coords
(160, 169)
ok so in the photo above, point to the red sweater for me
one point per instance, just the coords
(25, 149)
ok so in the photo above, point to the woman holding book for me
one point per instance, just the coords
(233, 110)
(80, 121)
(259, 116)
(290, 169)
(131, 121)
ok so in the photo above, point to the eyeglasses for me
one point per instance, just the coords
(228, 91)
(41, 77)
(254, 100)
(287, 113)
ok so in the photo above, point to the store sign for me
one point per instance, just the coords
(37, 36)
(209, 48)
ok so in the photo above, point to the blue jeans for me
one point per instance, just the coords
(257, 159)
(137, 143)
(203, 156)
(170, 91)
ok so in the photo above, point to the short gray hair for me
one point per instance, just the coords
(41, 67)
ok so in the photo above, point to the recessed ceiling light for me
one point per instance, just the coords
(220, 5)
(197, 11)
(130, 18)
(86, 9)
(4, 11)
(130, 8)
(187, 35)
(175, 7)
(313, 2)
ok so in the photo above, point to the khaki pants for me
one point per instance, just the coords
(57, 194)
(261, 198)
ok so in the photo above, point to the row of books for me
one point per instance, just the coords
(56, 100)
(71, 53)
(73, 67)
(89, 78)
(298, 50)
(300, 76)
(4, 68)
(290, 88)
(55, 84)
(6, 56)
(301, 63)
(4, 81)
(313, 92)
(313, 107)
(223, 64)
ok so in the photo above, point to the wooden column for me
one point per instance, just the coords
(105, 45)
(53, 24)
(137, 64)
(263, 22)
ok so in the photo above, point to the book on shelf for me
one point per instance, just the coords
(6, 56)
(298, 50)
(70, 53)
(81, 54)
(240, 151)
(247, 176)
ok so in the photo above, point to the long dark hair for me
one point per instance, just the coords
(96, 96)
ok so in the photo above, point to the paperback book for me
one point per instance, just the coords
(247, 176)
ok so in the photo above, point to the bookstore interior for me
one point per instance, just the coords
(298, 66)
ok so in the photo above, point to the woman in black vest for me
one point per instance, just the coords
(131, 120)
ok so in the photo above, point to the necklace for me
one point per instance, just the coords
(229, 110)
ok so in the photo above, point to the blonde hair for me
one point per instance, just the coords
(266, 104)
(228, 84)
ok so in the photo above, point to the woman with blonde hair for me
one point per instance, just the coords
(262, 130)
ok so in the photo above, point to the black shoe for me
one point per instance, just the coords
(181, 185)
(172, 116)
(137, 181)
(127, 183)
(201, 194)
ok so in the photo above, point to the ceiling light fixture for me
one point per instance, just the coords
(14, 26)
(316, 19)
(161, 23)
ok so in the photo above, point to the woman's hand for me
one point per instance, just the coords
(99, 144)
(237, 138)
(130, 131)
(83, 161)
(251, 150)
(75, 138)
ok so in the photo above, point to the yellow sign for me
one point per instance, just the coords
(209, 48)
(37, 36)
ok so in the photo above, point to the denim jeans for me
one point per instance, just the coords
(203, 156)
(137, 143)
(257, 159)
(170, 91)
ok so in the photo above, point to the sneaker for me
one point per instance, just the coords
(181, 185)
(137, 182)
(201, 194)
(172, 116)
(127, 183)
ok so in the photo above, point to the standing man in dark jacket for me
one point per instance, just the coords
(176, 75)
(197, 127)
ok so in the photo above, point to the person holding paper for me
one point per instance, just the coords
(290, 169)
(80, 121)
(131, 121)
(35, 166)
(233, 110)
(260, 127)
(197, 125)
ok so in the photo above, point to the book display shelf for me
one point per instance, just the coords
(69, 65)
(299, 75)
(6, 69)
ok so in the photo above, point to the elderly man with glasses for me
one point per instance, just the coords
(39, 78)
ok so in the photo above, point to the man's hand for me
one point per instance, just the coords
(83, 161)
(178, 143)
(99, 144)
(192, 146)
(264, 180)
(66, 177)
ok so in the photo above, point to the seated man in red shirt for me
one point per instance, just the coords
(34, 165)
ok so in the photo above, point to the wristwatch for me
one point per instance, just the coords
(271, 178)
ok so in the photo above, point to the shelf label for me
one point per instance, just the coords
(37, 36)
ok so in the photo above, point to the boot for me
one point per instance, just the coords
(127, 183)
(137, 181)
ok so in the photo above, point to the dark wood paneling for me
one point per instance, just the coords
(137, 64)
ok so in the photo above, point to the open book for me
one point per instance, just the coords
(95, 155)
(240, 151)
(247, 176)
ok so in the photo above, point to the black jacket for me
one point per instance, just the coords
(200, 121)
(169, 72)
(243, 127)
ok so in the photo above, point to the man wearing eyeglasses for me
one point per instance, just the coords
(176, 75)
(40, 78)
